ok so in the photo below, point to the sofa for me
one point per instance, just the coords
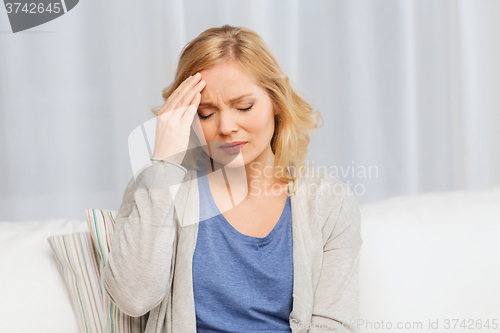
(429, 262)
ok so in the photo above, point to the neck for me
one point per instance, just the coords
(260, 174)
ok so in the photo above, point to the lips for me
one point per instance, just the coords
(232, 144)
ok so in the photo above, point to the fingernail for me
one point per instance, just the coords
(197, 75)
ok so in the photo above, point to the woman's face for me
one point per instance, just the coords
(234, 108)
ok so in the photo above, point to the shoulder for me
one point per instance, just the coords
(318, 184)
(331, 198)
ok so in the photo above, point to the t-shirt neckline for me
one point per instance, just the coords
(224, 223)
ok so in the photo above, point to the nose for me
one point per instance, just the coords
(227, 125)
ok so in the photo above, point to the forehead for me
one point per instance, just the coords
(227, 79)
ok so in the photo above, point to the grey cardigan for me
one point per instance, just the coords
(149, 268)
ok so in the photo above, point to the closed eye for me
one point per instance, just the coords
(247, 109)
(210, 115)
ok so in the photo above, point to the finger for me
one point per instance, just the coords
(192, 120)
(188, 98)
(193, 107)
(186, 94)
(189, 110)
(196, 125)
(179, 93)
(182, 108)
(168, 102)
(166, 106)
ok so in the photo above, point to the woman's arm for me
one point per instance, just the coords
(336, 299)
(137, 271)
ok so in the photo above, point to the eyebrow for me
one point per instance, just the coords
(231, 101)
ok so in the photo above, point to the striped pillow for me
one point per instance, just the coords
(77, 263)
(101, 225)
(81, 257)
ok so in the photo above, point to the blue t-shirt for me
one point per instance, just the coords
(241, 283)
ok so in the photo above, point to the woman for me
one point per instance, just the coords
(276, 252)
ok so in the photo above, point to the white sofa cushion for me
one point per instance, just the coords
(431, 257)
(33, 294)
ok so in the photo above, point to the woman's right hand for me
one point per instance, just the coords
(173, 121)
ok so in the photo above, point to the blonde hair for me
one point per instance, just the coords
(294, 118)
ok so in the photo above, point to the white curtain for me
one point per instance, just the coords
(408, 90)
